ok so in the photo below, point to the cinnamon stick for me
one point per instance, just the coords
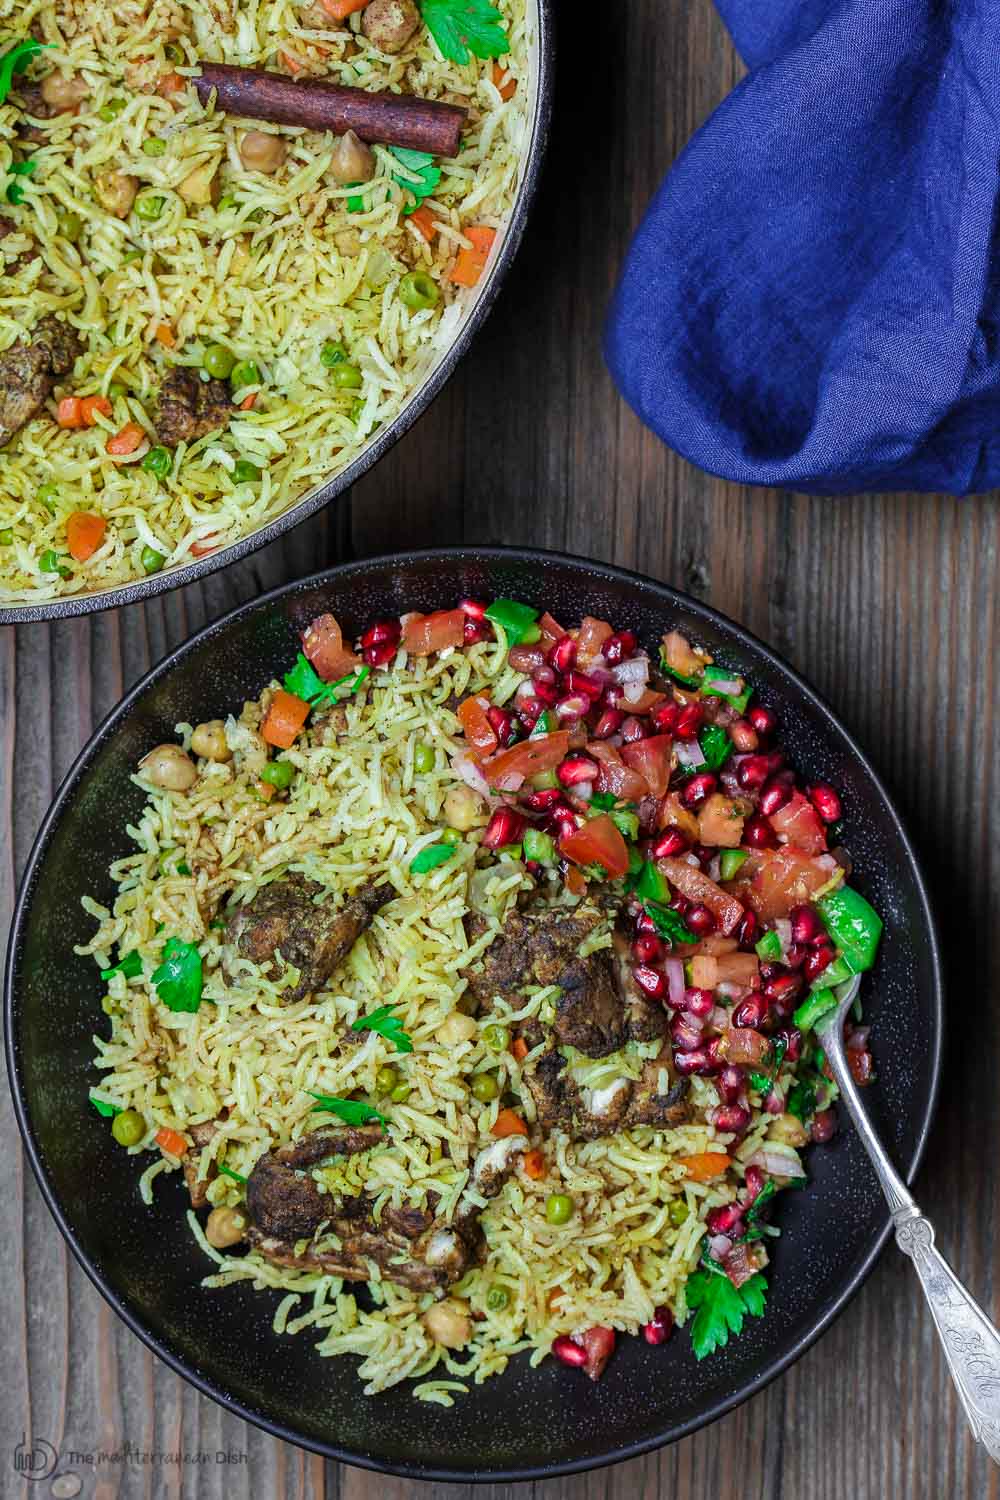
(392, 119)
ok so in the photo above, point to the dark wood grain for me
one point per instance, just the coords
(888, 605)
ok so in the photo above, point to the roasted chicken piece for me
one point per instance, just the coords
(29, 371)
(588, 1113)
(189, 407)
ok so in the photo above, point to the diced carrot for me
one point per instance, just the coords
(470, 263)
(554, 1296)
(508, 1122)
(291, 62)
(264, 790)
(126, 441)
(533, 1163)
(479, 732)
(285, 716)
(165, 335)
(423, 221)
(170, 83)
(84, 534)
(249, 402)
(69, 412)
(93, 406)
(704, 1165)
(519, 1049)
(505, 85)
(170, 1141)
(205, 546)
(339, 10)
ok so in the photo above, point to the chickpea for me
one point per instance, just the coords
(64, 94)
(457, 1028)
(202, 185)
(464, 808)
(315, 18)
(167, 766)
(789, 1131)
(448, 1323)
(116, 192)
(389, 24)
(351, 160)
(225, 1227)
(260, 152)
(209, 740)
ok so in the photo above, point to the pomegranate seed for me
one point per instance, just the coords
(582, 682)
(665, 716)
(862, 1066)
(731, 1083)
(695, 1061)
(680, 904)
(806, 925)
(715, 1056)
(377, 656)
(661, 1326)
(563, 653)
(771, 970)
(824, 1126)
(747, 930)
(644, 923)
(743, 735)
(543, 801)
(826, 802)
(724, 1219)
(505, 827)
(752, 772)
(633, 729)
(763, 720)
(619, 647)
(474, 608)
(609, 723)
(703, 854)
(475, 630)
(774, 796)
(563, 820)
(700, 1003)
(734, 1118)
(670, 843)
(611, 697)
(577, 768)
(569, 1353)
(699, 788)
(783, 988)
(547, 692)
(820, 958)
(758, 833)
(796, 956)
(700, 920)
(753, 1183)
(528, 659)
(647, 949)
(573, 706)
(651, 981)
(501, 723)
(753, 1011)
(686, 1033)
(528, 710)
(382, 630)
(689, 721)
(792, 1038)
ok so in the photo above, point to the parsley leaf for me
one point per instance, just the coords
(430, 857)
(107, 1110)
(130, 966)
(351, 1111)
(306, 683)
(720, 1308)
(15, 192)
(761, 1201)
(386, 1024)
(422, 163)
(802, 1100)
(16, 60)
(603, 800)
(670, 925)
(716, 746)
(461, 27)
(228, 1172)
(178, 980)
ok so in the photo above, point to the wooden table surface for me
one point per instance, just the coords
(889, 606)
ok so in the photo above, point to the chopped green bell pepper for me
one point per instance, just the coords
(854, 925)
(836, 973)
(713, 675)
(546, 723)
(518, 620)
(814, 1009)
(652, 885)
(539, 846)
(769, 948)
(730, 862)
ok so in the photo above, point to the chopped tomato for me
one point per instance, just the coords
(533, 1163)
(84, 534)
(126, 441)
(673, 814)
(165, 335)
(511, 768)
(477, 728)
(551, 630)
(600, 1345)
(69, 412)
(170, 1141)
(615, 777)
(339, 10)
(721, 819)
(745, 1046)
(649, 700)
(696, 886)
(575, 883)
(171, 83)
(91, 407)
(285, 716)
(425, 634)
(780, 879)
(599, 841)
(470, 263)
(704, 1165)
(508, 1122)
(423, 221)
(709, 970)
(679, 657)
(651, 758)
(799, 823)
(591, 639)
(323, 644)
(505, 85)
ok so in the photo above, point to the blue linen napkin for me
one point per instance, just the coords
(812, 299)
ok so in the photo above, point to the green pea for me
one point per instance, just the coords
(418, 290)
(226, 202)
(70, 225)
(6, 536)
(400, 1093)
(678, 1213)
(218, 361)
(497, 1297)
(116, 390)
(128, 1128)
(423, 758)
(149, 206)
(50, 562)
(152, 561)
(154, 146)
(158, 461)
(245, 373)
(245, 472)
(386, 1079)
(346, 377)
(48, 495)
(485, 1088)
(558, 1208)
(278, 773)
(173, 52)
(111, 110)
(496, 1038)
(332, 354)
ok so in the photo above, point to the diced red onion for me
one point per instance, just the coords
(573, 706)
(731, 686)
(775, 1163)
(633, 675)
(783, 928)
(688, 752)
(674, 970)
(827, 862)
(719, 1019)
(692, 859)
(719, 1246)
(715, 870)
(775, 1103)
(466, 768)
(584, 791)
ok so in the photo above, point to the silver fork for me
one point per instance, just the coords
(971, 1343)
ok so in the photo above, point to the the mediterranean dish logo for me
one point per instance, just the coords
(35, 1458)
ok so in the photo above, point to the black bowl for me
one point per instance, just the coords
(526, 1423)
